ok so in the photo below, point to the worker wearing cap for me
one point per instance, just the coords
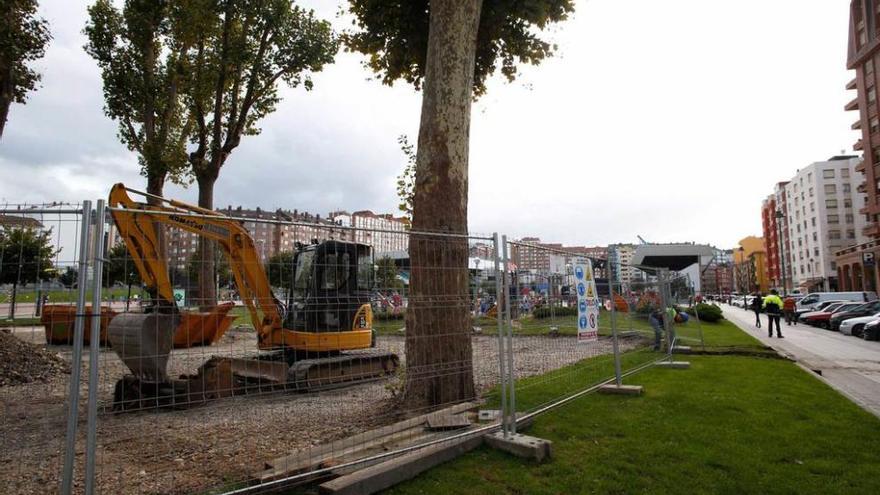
(773, 307)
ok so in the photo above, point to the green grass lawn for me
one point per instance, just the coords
(69, 295)
(730, 424)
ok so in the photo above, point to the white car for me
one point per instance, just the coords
(854, 326)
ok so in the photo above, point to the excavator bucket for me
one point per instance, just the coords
(144, 343)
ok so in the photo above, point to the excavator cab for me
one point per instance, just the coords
(331, 284)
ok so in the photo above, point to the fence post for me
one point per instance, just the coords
(76, 364)
(94, 347)
(615, 346)
(499, 316)
(511, 378)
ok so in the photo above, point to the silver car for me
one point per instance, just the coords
(855, 326)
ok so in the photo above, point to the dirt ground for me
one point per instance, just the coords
(219, 443)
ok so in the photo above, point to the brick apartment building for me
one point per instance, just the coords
(856, 268)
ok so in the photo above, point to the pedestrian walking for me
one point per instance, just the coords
(757, 304)
(788, 308)
(773, 307)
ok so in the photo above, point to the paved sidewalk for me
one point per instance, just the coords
(850, 365)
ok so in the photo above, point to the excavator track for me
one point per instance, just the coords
(223, 377)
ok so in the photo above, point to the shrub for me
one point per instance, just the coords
(388, 316)
(707, 312)
(544, 312)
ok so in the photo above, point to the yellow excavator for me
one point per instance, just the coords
(319, 338)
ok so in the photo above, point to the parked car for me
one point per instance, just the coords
(812, 299)
(866, 309)
(856, 326)
(822, 319)
(801, 313)
(871, 330)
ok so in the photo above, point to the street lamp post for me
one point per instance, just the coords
(780, 251)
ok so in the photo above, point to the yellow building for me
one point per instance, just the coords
(750, 266)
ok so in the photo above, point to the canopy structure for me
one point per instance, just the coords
(674, 257)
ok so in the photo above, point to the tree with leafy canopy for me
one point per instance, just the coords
(25, 257)
(406, 181)
(23, 39)
(120, 267)
(140, 50)
(448, 49)
(242, 50)
(386, 274)
(279, 270)
(68, 277)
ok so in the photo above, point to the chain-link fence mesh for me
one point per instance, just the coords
(255, 350)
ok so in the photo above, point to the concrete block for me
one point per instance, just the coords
(682, 349)
(521, 445)
(613, 389)
(674, 365)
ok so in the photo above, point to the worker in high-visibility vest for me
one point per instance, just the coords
(773, 307)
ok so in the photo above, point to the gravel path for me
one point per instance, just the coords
(185, 451)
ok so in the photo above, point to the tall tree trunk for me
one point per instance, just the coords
(5, 93)
(438, 337)
(207, 277)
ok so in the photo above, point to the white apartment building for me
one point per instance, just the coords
(384, 233)
(823, 216)
(621, 263)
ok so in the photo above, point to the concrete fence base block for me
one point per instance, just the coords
(614, 389)
(521, 445)
(682, 349)
(674, 365)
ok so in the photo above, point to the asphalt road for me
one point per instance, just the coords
(849, 364)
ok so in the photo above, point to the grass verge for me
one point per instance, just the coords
(730, 424)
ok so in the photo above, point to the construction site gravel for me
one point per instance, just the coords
(185, 451)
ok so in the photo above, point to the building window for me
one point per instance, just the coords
(815, 251)
(847, 188)
(869, 65)
(872, 95)
(831, 204)
(834, 234)
(815, 237)
(833, 219)
(813, 221)
(850, 234)
(830, 189)
(811, 192)
(828, 173)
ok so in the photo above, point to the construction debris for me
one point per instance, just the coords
(23, 362)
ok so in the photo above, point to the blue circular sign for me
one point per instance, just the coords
(582, 306)
(581, 289)
(579, 272)
(582, 323)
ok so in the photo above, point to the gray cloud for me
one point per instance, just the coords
(674, 130)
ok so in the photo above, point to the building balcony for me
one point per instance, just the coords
(860, 168)
(857, 125)
(852, 105)
(872, 230)
(858, 146)
(852, 84)
(863, 188)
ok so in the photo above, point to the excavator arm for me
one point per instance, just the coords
(137, 223)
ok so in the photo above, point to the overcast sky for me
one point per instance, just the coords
(666, 119)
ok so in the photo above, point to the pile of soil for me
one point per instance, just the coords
(23, 362)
